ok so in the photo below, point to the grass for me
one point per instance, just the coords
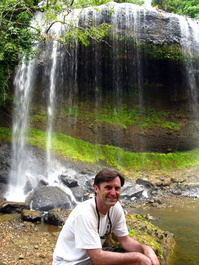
(69, 147)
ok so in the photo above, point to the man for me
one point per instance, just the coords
(90, 223)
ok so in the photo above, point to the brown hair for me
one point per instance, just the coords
(106, 175)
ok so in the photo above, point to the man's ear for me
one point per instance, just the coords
(96, 188)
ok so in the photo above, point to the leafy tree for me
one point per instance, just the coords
(188, 8)
(57, 11)
(16, 37)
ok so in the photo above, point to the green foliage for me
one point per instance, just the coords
(164, 51)
(136, 2)
(16, 37)
(87, 3)
(57, 12)
(85, 35)
(188, 8)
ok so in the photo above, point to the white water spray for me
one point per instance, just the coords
(23, 83)
(190, 48)
(51, 103)
(147, 3)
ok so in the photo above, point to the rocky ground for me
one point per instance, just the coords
(33, 243)
(26, 243)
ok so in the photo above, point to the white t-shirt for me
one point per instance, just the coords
(80, 232)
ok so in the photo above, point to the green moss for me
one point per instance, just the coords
(39, 118)
(124, 116)
(5, 135)
(161, 51)
(164, 51)
(71, 148)
(147, 233)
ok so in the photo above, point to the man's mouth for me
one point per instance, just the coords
(112, 198)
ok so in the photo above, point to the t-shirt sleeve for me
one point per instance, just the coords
(119, 222)
(86, 235)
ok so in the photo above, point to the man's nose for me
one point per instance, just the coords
(113, 191)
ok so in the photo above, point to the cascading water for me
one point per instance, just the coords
(23, 83)
(26, 170)
(189, 38)
(115, 74)
(147, 3)
(51, 102)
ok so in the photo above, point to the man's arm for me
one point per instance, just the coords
(99, 257)
(131, 245)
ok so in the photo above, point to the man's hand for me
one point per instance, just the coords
(148, 251)
(132, 245)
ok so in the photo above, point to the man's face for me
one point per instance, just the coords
(108, 193)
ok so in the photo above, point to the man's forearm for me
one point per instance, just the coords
(100, 257)
(131, 245)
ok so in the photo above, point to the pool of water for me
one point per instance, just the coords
(183, 221)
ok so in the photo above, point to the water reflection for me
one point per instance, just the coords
(183, 221)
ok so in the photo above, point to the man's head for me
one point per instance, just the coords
(107, 186)
(106, 175)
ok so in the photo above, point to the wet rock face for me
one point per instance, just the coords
(5, 160)
(125, 73)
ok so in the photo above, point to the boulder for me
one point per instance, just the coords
(78, 193)
(141, 229)
(147, 184)
(132, 191)
(10, 207)
(56, 216)
(46, 198)
(68, 181)
(30, 215)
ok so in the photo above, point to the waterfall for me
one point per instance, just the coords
(26, 170)
(62, 79)
(189, 38)
(52, 97)
(23, 83)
